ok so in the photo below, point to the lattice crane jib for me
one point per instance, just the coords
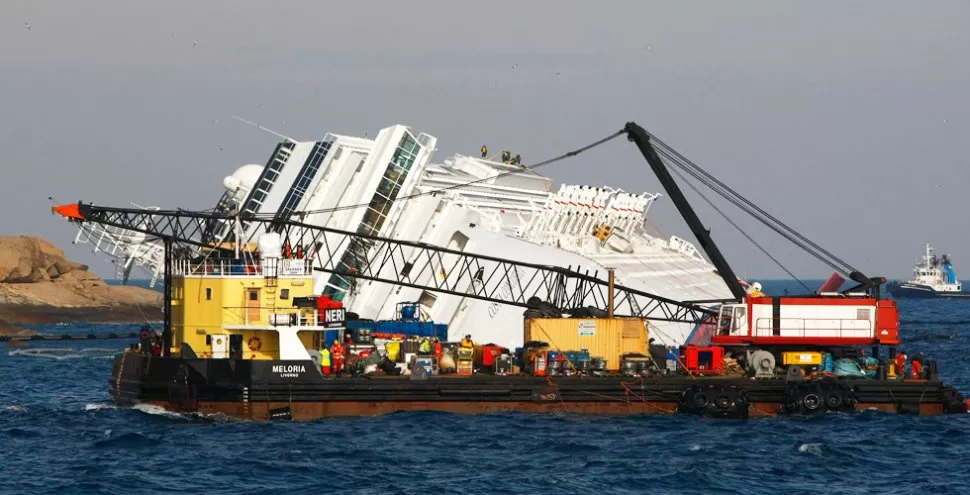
(397, 262)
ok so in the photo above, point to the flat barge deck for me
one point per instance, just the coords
(263, 390)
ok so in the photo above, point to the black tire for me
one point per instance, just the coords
(811, 401)
(723, 401)
(699, 400)
(833, 400)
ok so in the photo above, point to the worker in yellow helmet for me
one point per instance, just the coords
(467, 342)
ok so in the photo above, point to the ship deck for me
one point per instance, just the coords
(258, 391)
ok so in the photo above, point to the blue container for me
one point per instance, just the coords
(368, 324)
(331, 335)
(416, 328)
(519, 353)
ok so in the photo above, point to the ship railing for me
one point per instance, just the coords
(275, 316)
(270, 267)
(813, 327)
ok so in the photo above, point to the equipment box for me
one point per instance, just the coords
(427, 363)
(465, 367)
(704, 359)
(503, 365)
(801, 358)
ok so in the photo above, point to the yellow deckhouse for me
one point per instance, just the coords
(244, 308)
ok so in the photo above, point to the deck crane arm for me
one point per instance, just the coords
(644, 142)
(397, 262)
(640, 137)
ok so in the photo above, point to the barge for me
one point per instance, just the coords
(246, 334)
(265, 390)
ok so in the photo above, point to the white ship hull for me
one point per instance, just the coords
(493, 209)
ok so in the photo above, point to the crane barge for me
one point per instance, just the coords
(244, 333)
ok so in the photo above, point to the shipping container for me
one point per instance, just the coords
(602, 337)
(331, 335)
(418, 328)
(368, 324)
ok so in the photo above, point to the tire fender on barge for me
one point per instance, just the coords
(715, 401)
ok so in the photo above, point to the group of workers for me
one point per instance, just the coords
(332, 359)
(150, 342)
(506, 156)
(871, 364)
(915, 367)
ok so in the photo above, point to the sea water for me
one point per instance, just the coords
(60, 433)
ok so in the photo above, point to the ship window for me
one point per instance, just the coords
(725, 324)
(395, 173)
(208, 293)
(284, 293)
(738, 318)
(862, 314)
(253, 295)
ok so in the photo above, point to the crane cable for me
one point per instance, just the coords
(550, 161)
(738, 227)
(752, 209)
(736, 202)
(685, 162)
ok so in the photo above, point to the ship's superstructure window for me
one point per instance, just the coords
(304, 179)
(380, 205)
(268, 178)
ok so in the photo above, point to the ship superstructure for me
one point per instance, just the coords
(932, 277)
(389, 187)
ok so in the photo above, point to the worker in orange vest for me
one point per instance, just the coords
(437, 351)
(901, 364)
(337, 352)
(917, 367)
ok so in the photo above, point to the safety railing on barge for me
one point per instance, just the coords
(267, 267)
(812, 327)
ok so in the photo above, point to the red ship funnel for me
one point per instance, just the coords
(832, 284)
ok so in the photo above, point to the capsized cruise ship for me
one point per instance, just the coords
(390, 187)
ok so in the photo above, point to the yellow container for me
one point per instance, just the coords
(805, 358)
(603, 337)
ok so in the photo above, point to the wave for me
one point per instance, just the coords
(127, 441)
(62, 353)
(812, 448)
(154, 410)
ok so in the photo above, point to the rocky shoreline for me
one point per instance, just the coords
(39, 285)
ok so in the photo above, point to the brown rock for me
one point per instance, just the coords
(38, 284)
(28, 259)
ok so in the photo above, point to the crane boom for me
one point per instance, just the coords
(397, 262)
(640, 137)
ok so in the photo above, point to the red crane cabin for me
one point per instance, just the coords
(825, 320)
